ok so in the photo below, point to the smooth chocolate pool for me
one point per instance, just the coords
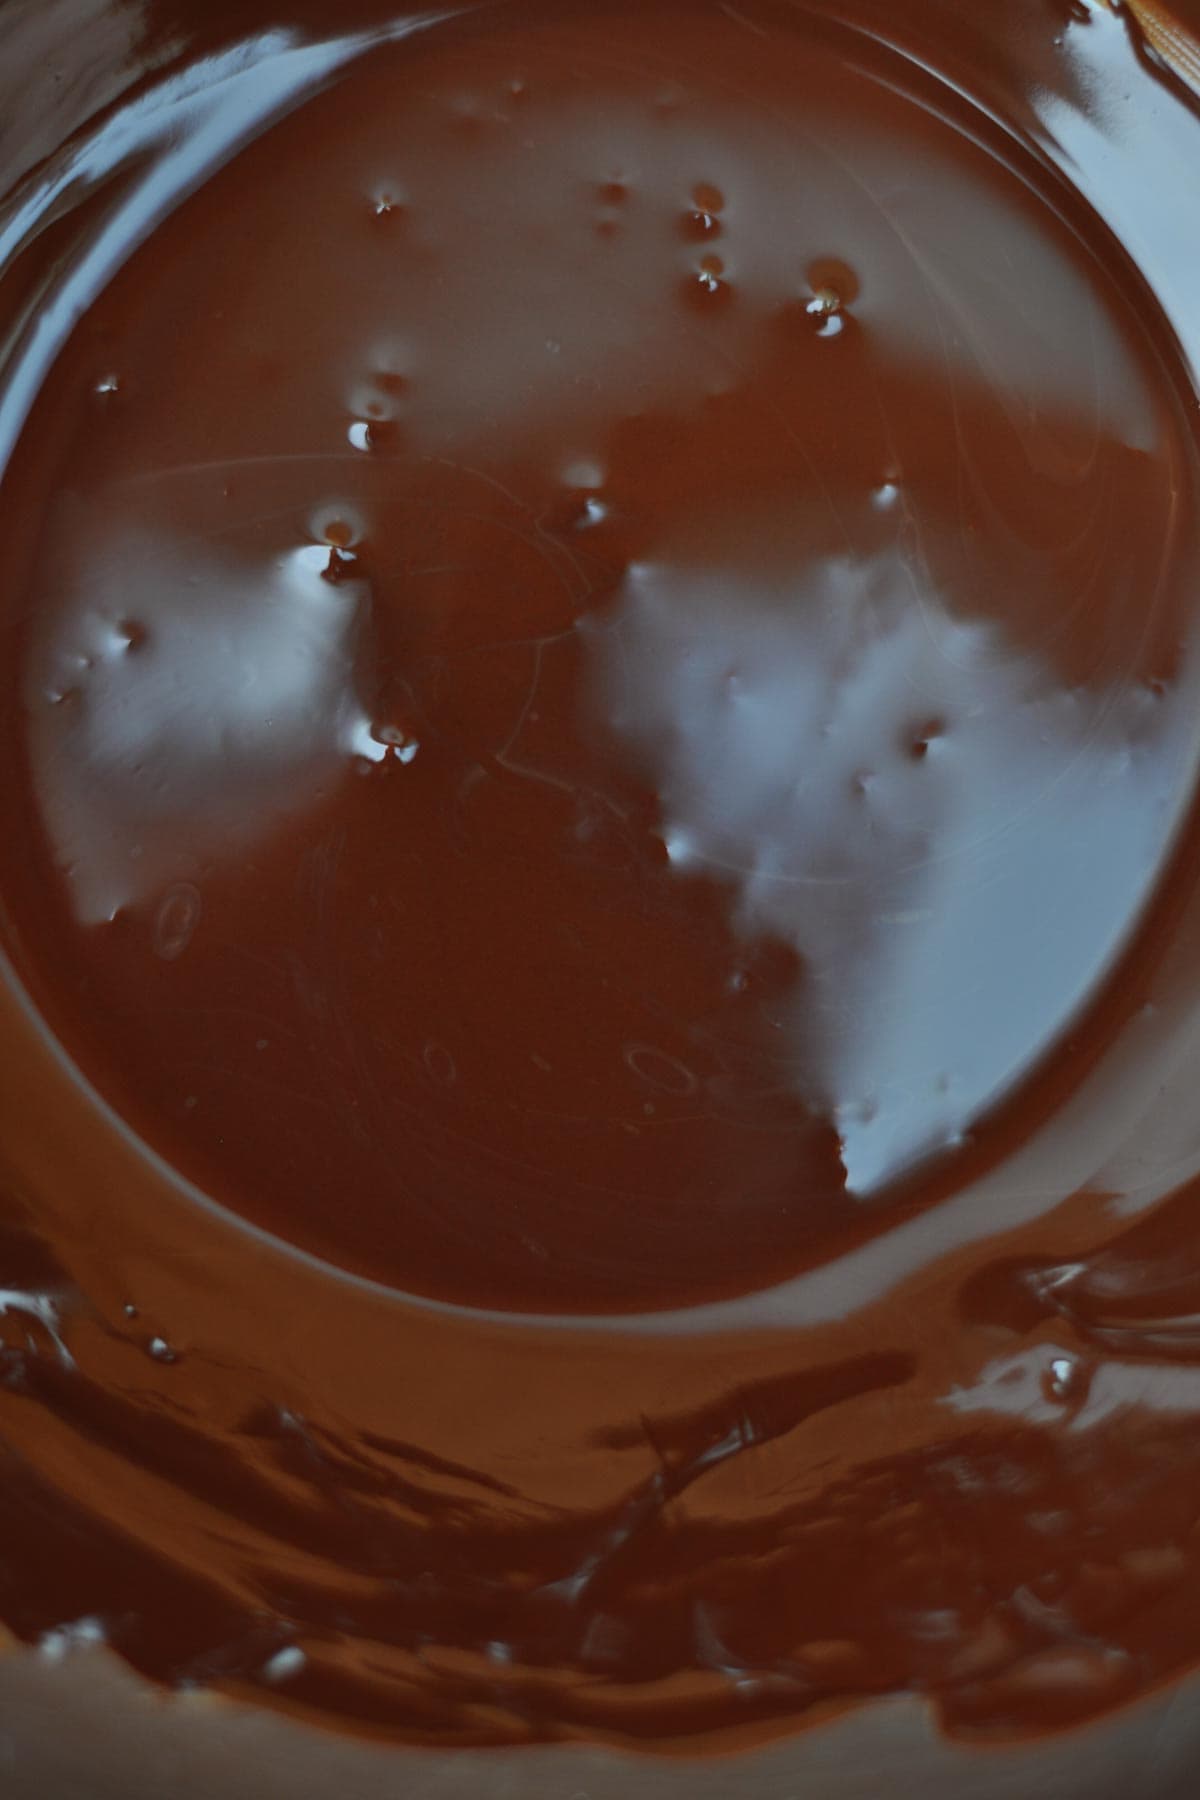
(599, 717)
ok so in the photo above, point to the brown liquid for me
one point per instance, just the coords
(598, 703)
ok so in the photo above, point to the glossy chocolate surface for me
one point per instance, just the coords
(599, 720)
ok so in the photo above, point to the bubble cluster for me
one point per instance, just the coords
(1066, 1381)
(374, 405)
(396, 744)
(710, 271)
(832, 288)
(701, 221)
(826, 308)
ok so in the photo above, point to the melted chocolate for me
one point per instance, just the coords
(599, 734)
